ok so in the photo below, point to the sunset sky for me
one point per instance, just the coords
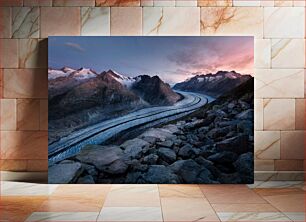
(174, 59)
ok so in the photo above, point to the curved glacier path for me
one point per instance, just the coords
(100, 132)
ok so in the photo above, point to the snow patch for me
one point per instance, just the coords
(54, 74)
(79, 74)
(124, 80)
(200, 79)
(84, 73)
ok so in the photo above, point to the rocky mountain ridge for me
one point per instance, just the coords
(213, 84)
(79, 98)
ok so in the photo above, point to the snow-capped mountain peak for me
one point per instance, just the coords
(67, 69)
(214, 84)
(124, 80)
(84, 73)
(56, 73)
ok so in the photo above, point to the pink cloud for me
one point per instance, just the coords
(231, 55)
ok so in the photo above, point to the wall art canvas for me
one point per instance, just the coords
(151, 110)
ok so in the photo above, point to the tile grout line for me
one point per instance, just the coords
(209, 202)
(104, 202)
(160, 203)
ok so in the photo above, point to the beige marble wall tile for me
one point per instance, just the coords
(292, 145)
(51, 17)
(95, 21)
(300, 114)
(262, 53)
(33, 53)
(74, 3)
(279, 83)
(289, 165)
(258, 117)
(146, 2)
(305, 82)
(5, 3)
(8, 53)
(283, 50)
(232, 21)
(1, 83)
(280, 3)
(162, 3)
(13, 165)
(5, 22)
(37, 165)
(25, 22)
(8, 114)
(282, 176)
(25, 83)
(299, 3)
(186, 3)
(171, 21)
(220, 3)
(266, 3)
(267, 145)
(23, 144)
(284, 22)
(264, 165)
(246, 3)
(43, 114)
(37, 2)
(117, 2)
(28, 114)
(120, 25)
(279, 114)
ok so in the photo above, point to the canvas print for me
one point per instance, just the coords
(165, 110)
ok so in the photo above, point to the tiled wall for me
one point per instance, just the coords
(278, 26)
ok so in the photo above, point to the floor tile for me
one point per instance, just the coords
(133, 196)
(276, 184)
(274, 216)
(277, 191)
(298, 216)
(187, 209)
(9, 188)
(130, 214)
(230, 194)
(18, 208)
(93, 191)
(173, 190)
(263, 207)
(285, 200)
(71, 204)
(63, 216)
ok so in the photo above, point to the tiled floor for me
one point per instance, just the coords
(171, 203)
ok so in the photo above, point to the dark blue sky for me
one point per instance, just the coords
(172, 58)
